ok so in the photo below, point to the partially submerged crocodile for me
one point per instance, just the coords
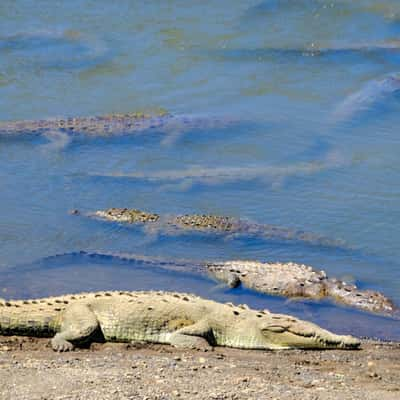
(178, 319)
(299, 280)
(273, 278)
(210, 223)
(113, 124)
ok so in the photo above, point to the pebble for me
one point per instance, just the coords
(233, 375)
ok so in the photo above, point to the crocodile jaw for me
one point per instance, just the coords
(289, 340)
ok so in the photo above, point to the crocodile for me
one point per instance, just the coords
(301, 281)
(370, 94)
(197, 174)
(65, 49)
(389, 51)
(333, 10)
(289, 279)
(218, 175)
(178, 319)
(223, 225)
(114, 124)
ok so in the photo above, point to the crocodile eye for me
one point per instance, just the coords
(273, 328)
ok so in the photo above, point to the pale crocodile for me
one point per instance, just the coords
(177, 319)
(299, 280)
(114, 125)
(222, 225)
(289, 279)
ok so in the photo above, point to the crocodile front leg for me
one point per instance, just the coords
(78, 323)
(197, 336)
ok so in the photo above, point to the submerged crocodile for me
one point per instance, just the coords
(177, 319)
(113, 124)
(221, 175)
(387, 50)
(65, 49)
(371, 93)
(273, 278)
(212, 224)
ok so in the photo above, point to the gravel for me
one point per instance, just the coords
(29, 369)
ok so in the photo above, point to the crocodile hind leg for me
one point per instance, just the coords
(197, 336)
(77, 325)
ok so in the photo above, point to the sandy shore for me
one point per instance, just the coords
(29, 369)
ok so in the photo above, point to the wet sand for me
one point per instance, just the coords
(29, 369)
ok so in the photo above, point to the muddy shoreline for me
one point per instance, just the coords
(29, 369)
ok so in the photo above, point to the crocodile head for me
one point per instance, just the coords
(276, 331)
(290, 332)
(129, 215)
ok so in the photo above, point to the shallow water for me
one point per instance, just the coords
(281, 67)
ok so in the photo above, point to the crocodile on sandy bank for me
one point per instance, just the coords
(224, 225)
(113, 124)
(273, 278)
(178, 319)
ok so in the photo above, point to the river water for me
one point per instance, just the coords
(312, 85)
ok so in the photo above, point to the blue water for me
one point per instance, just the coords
(282, 68)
